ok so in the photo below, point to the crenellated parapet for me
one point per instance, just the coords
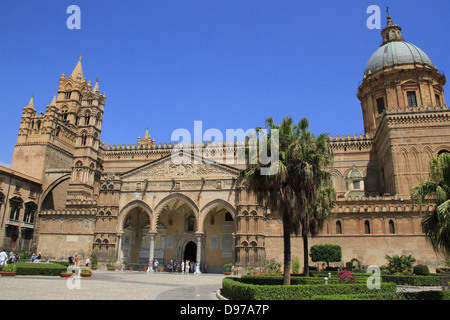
(351, 142)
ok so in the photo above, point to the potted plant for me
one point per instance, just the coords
(86, 273)
(111, 266)
(227, 268)
(67, 274)
(9, 270)
(249, 269)
(94, 261)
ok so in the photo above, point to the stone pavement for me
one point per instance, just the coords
(113, 285)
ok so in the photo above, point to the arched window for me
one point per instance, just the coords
(366, 227)
(83, 138)
(87, 118)
(30, 210)
(391, 227)
(15, 205)
(338, 227)
(190, 223)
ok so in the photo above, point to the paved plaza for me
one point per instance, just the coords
(113, 285)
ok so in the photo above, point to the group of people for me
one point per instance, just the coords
(185, 267)
(73, 261)
(15, 257)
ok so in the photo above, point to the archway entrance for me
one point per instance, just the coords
(190, 251)
(136, 241)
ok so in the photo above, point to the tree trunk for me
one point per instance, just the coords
(287, 249)
(305, 256)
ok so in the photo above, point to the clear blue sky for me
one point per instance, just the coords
(229, 63)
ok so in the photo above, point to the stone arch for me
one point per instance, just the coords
(213, 205)
(123, 214)
(58, 183)
(173, 197)
(441, 149)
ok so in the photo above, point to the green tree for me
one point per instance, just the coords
(291, 191)
(326, 253)
(436, 190)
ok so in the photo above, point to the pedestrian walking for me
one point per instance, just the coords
(182, 267)
(155, 265)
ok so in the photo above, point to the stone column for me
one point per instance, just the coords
(199, 250)
(119, 249)
(152, 249)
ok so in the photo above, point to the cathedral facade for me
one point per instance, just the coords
(78, 195)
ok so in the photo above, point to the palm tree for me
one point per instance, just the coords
(312, 222)
(436, 225)
(291, 191)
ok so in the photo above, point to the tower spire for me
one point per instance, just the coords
(77, 73)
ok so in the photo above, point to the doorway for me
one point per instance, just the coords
(190, 251)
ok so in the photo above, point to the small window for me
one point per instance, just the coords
(367, 227)
(391, 227)
(438, 100)
(412, 99)
(67, 95)
(87, 118)
(338, 227)
(380, 105)
(357, 185)
(83, 139)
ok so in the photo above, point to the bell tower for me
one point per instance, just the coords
(87, 165)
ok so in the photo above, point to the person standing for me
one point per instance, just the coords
(182, 267)
(3, 258)
(149, 269)
(155, 265)
(187, 267)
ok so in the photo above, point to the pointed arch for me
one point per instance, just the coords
(123, 214)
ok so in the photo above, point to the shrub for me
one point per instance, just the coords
(227, 267)
(9, 268)
(399, 265)
(296, 265)
(346, 276)
(421, 270)
(272, 267)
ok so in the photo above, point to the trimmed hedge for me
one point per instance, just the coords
(409, 280)
(413, 280)
(38, 269)
(365, 296)
(237, 289)
(428, 295)
(278, 280)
